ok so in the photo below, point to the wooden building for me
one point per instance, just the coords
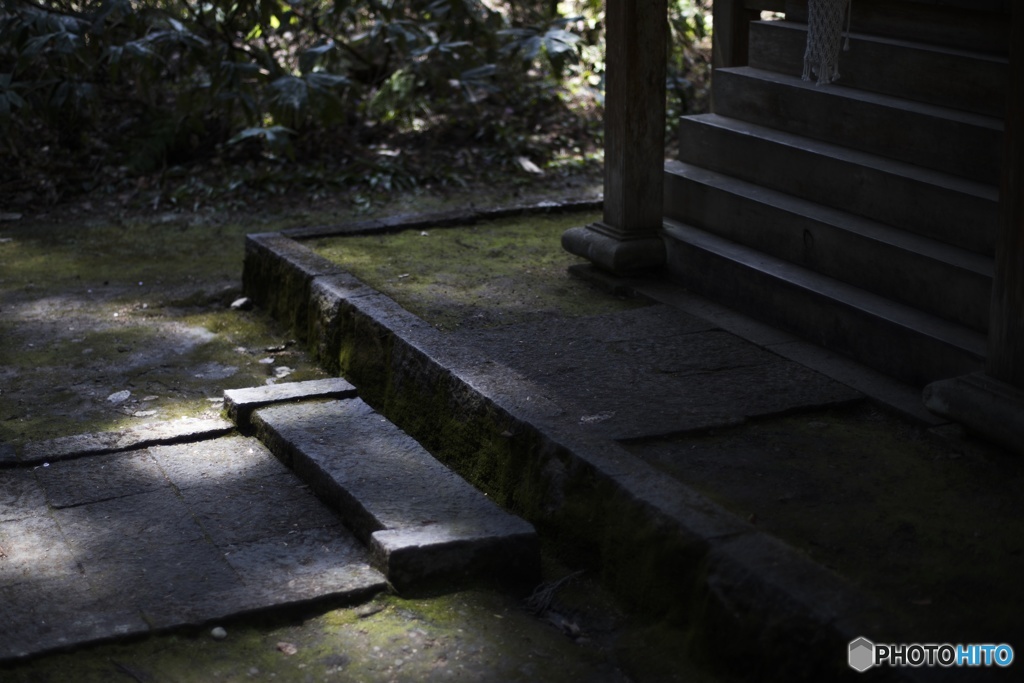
(879, 216)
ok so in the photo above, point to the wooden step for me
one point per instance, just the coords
(892, 338)
(980, 25)
(942, 280)
(940, 206)
(960, 143)
(948, 77)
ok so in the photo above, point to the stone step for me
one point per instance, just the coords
(979, 25)
(937, 205)
(240, 403)
(893, 338)
(948, 77)
(959, 143)
(937, 278)
(424, 524)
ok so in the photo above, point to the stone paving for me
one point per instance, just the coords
(692, 375)
(142, 540)
(130, 532)
(552, 408)
(100, 544)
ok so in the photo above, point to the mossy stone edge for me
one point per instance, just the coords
(666, 551)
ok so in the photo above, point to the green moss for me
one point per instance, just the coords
(161, 249)
(60, 371)
(491, 273)
(468, 635)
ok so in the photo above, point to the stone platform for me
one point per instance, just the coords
(179, 524)
(553, 418)
(143, 540)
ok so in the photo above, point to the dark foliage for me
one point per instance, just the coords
(196, 98)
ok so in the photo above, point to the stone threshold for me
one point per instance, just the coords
(425, 526)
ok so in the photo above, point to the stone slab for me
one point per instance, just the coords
(70, 483)
(984, 405)
(20, 494)
(781, 607)
(239, 403)
(34, 551)
(424, 522)
(655, 371)
(252, 509)
(153, 576)
(128, 525)
(67, 447)
(35, 622)
(323, 556)
(883, 389)
(216, 462)
(164, 537)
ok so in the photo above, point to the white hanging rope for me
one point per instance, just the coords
(824, 37)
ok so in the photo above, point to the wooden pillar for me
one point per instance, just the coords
(626, 241)
(732, 32)
(1006, 331)
(992, 403)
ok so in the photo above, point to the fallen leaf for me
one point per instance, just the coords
(529, 166)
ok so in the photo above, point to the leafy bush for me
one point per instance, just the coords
(109, 91)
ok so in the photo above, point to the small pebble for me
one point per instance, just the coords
(218, 633)
(119, 396)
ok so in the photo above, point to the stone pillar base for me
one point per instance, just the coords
(613, 250)
(982, 404)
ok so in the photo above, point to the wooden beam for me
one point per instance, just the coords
(766, 5)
